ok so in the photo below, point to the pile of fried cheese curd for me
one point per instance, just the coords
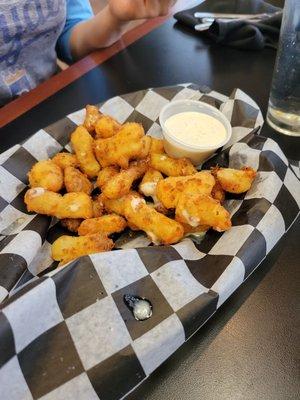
(117, 177)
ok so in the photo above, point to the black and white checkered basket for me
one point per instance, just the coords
(67, 334)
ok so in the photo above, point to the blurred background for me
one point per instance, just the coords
(98, 5)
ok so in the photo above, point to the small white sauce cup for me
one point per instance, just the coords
(177, 148)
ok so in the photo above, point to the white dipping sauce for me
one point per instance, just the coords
(196, 129)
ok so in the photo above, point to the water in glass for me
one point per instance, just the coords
(284, 104)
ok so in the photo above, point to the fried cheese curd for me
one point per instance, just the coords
(105, 175)
(188, 229)
(98, 206)
(159, 228)
(107, 224)
(157, 146)
(148, 188)
(149, 183)
(117, 206)
(82, 143)
(106, 127)
(42, 201)
(195, 208)
(70, 205)
(234, 180)
(92, 114)
(92, 192)
(71, 224)
(171, 166)
(64, 160)
(127, 144)
(46, 174)
(169, 189)
(217, 192)
(67, 248)
(75, 205)
(120, 184)
(76, 181)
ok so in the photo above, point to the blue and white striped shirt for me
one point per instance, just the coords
(32, 33)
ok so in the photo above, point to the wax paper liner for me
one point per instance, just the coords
(67, 333)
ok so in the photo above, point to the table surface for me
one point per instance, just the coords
(249, 348)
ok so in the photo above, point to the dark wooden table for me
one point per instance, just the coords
(250, 348)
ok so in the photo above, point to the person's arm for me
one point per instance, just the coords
(107, 26)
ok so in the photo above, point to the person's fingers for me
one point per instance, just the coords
(152, 8)
(165, 6)
(140, 8)
(136, 9)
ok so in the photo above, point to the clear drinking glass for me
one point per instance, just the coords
(284, 103)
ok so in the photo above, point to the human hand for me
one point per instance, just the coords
(107, 26)
(127, 10)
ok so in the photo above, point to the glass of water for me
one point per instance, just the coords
(284, 104)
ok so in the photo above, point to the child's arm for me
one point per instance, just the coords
(107, 26)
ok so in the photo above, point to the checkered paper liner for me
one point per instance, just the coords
(67, 334)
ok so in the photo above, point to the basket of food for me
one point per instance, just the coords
(114, 251)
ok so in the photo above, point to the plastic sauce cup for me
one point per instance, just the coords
(177, 148)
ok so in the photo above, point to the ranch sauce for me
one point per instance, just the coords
(196, 129)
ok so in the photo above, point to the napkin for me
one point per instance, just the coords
(238, 33)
